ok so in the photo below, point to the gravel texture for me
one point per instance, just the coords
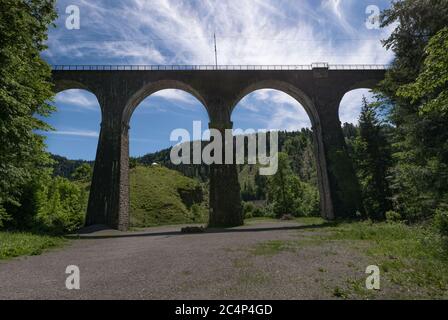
(163, 263)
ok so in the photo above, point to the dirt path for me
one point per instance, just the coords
(250, 262)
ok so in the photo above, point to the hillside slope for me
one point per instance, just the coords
(161, 196)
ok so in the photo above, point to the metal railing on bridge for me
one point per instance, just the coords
(219, 67)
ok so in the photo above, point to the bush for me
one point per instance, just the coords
(197, 213)
(248, 209)
(61, 206)
(441, 221)
(133, 163)
(83, 173)
(248, 215)
(307, 203)
(269, 211)
(393, 216)
(4, 216)
(258, 212)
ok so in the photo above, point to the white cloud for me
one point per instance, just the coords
(248, 32)
(249, 106)
(77, 100)
(289, 117)
(335, 6)
(77, 133)
(276, 110)
(178, 101)
(350, 106)
(176, 95)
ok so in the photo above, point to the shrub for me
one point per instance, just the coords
(393, 216)
(61, 206)
(441, 221)
(248, 209)
(248, 215)
(307, 202)
(133, 163)
(197, 213)
(4, 216)
(83, 173)
(269, 211)
(258, 212)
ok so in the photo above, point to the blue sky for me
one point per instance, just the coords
(181, 32)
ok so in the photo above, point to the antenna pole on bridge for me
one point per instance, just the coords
(216, 51)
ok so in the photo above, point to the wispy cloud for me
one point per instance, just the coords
(276, 110)
(175, 95)
(77, 100)
(351, 104)
(336, 10)
(169, 100)
(77, 133)
(248, 32)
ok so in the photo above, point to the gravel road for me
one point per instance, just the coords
(162, 263)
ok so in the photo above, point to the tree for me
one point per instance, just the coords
(430, 87)
(417, 21)
(83, 173)
(372, 161)
(420, 172)
(25, 90)
(283, 187)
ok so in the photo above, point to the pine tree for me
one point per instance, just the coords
(414, 96)
(372, 160)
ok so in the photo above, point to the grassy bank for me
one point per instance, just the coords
(411, 257)
(413, 260)
(14, 244)
(160, 196)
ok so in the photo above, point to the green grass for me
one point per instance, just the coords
(256, 220)
(272, 247)
(413, 257)
(158, 196)
(15, 244)
(308, 221)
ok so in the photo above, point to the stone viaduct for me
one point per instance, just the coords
(319, 88)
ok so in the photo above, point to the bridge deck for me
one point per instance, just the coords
(219, 67)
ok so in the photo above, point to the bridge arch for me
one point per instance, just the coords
(64, 85)
(153, 87)
(285, 87)
(77, 120)
(326, 206)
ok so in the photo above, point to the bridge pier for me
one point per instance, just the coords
(343, 192)
(109, 192)
(225, 198)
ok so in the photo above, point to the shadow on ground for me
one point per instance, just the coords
(86, 233)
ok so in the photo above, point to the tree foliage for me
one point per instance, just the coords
(83, 173)
(60, 206)
(414, 96)
(430, 87)
(372, 161)
(288, 194)
(25, 90)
